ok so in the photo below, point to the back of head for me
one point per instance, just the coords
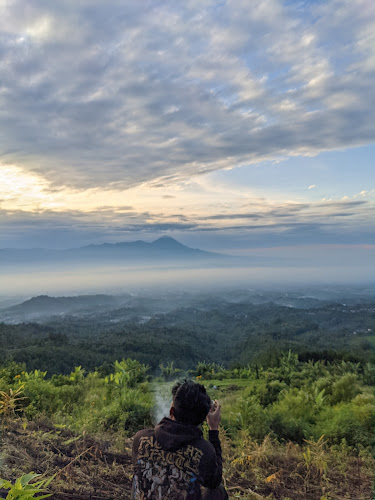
(191, 402)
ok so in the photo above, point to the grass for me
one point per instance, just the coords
(81, 430)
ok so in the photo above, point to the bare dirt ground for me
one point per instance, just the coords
(88, 468)
(85, 468)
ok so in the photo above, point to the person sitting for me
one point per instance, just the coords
(173, 461)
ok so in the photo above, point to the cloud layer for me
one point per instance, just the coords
(121, 94)
(257, 224)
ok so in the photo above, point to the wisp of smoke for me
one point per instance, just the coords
(163, 398)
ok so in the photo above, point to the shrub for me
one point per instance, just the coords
(209, 371)
(345, 388)
(369, 374)
(45, 397)
(288, 428)
(10, 371)
(34, 375)
(130, 412)
(269, 393)
(293, 416)
(169, 372)
(128, 373)
(253, 418)
(352, 421)
(10, 403)
(326, 384)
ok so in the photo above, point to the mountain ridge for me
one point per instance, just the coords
(162, 248)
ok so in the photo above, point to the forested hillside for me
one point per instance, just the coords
(227, 333)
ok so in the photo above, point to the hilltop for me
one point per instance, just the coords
(289, 431)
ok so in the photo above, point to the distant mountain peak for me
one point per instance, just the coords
(167, 241)
(165, 237)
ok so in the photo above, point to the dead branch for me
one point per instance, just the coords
(74, 460)
(246, 490)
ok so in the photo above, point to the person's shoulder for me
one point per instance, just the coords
(136, 442)
(144, 433)
(138, 436)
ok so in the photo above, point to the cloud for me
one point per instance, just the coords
(254, 216)
(265, 224)
(121, 94)
(343, 205)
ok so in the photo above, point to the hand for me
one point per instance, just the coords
(213, 417)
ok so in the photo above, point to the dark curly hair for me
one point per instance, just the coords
(191, 402)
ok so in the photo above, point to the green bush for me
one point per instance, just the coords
(369, 374)
(345, 388)
(352, 421)
(10, 371)
(292, 417)
(130, 411)
(325, 383)
(209, 371)
(128, 373)
(269, 393)
(169, 371)
(44, 397)
(287, 428)
(253, 418)
(4, 384)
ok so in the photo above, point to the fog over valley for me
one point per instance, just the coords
(165, 262)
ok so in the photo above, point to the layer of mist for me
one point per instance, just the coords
(118, 279)
(139, 305)
(115, 268)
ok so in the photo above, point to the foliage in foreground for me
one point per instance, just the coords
(291, 430)
(24, 489)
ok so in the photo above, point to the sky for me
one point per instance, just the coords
(233, 126)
